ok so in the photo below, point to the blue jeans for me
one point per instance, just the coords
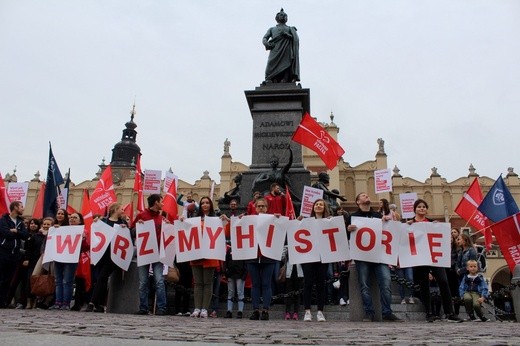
(160, 291)
(261, 274)
(64, 277)
(382, 272)
(407, 274)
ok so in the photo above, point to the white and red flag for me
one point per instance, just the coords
(103, 194)
(467, 209)
(311, 135)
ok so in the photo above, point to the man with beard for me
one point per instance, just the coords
(275, 200)
(381, 270)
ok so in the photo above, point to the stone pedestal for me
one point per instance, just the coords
(123, 291)
(357, 311)
(277, 110)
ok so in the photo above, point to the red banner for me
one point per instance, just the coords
(507, 233)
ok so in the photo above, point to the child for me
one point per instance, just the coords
(473, 289)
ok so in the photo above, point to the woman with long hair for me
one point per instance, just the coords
(420, 208)
(451, 272)
(315, 273)
(62, 217)
(203, 269)
(64, 272)
(105, 266)
(466, 252)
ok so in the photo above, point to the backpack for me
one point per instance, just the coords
(481, 259)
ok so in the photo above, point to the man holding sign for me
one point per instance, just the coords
(381, 270)
(145, 242)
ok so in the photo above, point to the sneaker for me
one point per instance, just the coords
(430, 318)
(141, 312)
(240, 314)
(484, 319)
(196, 313)
(265, 315)
(157, 313)
(391, 318)
(320, 317)
(228, 314)
(287, 316)
(307, 317)
(187, 314)
(213, 314)
(76, 307)
(403, 301)
(411, 300)
(342, 302)
(470, 318)
(203, 313)
(454, 319)
(90, 307)
(255, 316)
(295, 316)
(19, 306)
(99, 308)
(56, 306)
(368, 317)
(180, 314)
(65, 307)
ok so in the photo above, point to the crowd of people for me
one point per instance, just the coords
(81, 286)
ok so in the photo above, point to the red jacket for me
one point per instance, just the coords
(157, 218)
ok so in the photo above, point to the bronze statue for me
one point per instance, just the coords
(283, 64)
(234, 193)
(328, 195)
(264, 180)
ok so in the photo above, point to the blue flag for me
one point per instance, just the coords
(54, 180)
(498, 203)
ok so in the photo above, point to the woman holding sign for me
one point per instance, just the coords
(105, 267)
(421, 273)
(203, 269)
(315, 272)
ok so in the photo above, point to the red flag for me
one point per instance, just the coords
(38, 206)
(103, 194)
(86, 211)
(4, 198)
(507, 233)
(71, 210)
(138, 184)
(289, 207)
(467, 209)
(170, 202)
(84, 271)
(311, 135)
(128, 209)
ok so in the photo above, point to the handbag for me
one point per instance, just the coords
(282, 273)
(173, 275)
(43, 285)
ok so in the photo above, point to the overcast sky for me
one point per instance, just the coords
(439, 81)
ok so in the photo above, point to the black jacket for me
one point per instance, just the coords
(10, 242)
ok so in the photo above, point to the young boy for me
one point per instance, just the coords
(473, 289)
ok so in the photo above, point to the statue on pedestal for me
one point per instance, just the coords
(234, 193)
(264, 180)
(283, 64)
(328, 195)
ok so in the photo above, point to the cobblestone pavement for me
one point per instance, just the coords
(40, 327)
